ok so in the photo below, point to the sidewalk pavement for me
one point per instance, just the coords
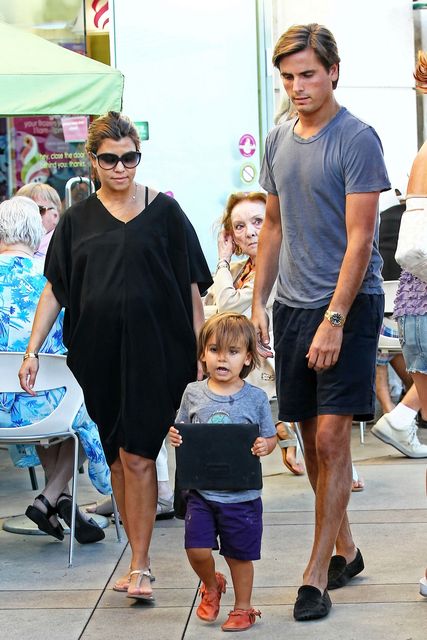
(41, 598)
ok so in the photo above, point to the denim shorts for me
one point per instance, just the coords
(413, 338)
(238, 526)
(347, 388)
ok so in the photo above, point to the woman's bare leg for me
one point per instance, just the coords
(135, 489)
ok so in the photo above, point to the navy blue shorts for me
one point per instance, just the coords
(347, 388)
(238, 526)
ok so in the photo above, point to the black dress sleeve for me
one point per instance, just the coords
(57, 266)
(199, 270)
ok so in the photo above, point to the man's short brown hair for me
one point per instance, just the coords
(308, 36)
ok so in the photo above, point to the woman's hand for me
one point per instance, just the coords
(226, 246)
(27, 374)
(174, 437)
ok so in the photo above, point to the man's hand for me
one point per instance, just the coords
(260, 322)
(325, 347)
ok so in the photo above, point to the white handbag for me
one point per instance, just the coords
(411, 252)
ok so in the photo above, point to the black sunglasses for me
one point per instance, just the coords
(107, 161)
(44, 209)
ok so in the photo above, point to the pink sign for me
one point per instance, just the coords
(247, 145)
(74, 128)
(42, 154)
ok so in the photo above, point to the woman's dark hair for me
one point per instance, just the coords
(111, 126)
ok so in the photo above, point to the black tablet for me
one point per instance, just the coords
(218, 456)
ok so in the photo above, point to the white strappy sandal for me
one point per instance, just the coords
(141, 573)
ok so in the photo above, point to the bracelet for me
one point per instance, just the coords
(30, 354)
(223, 264)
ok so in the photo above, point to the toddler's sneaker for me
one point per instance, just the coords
(208, 609)
(240, 619)
(423, 587)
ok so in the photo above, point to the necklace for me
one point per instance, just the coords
(132, 197)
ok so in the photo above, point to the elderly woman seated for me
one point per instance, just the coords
(21, 283)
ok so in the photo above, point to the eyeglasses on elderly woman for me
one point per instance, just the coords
(108, 161)
(43, 209)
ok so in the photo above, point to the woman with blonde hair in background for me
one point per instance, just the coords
(50, 208)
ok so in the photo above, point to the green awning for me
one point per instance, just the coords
(38, 77)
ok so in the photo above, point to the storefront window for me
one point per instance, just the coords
(39, 147)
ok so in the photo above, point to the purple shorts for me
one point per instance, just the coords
(238, 526)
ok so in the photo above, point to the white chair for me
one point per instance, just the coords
(53, 373)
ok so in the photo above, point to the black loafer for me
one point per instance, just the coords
(86, 531)
(340, 573)
(311, 604)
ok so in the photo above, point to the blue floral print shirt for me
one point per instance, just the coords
(21, 284)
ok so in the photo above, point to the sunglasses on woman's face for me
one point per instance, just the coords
(108, 161)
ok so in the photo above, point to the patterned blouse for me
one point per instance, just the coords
(411, 296)
(21, 284)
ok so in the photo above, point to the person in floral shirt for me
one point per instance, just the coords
(21, 283)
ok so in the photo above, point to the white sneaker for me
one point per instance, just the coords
(404, 440)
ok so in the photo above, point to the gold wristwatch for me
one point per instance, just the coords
(335, 318)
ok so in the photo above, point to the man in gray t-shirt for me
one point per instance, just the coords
(323, 172)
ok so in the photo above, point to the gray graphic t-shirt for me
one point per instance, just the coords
(249, 405)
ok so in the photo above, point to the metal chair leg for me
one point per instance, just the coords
(299, 436)
(116, 518)
(362, 426)
(33, 478)
(74, 500)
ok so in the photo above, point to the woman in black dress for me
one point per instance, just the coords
(127, 266)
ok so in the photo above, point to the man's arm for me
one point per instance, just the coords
(267, 264)
(360, 217)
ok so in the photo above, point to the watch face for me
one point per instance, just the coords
(336, 319)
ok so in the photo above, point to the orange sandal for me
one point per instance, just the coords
(240, 619)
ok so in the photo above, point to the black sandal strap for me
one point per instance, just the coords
(64, 495)
(50, 510)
